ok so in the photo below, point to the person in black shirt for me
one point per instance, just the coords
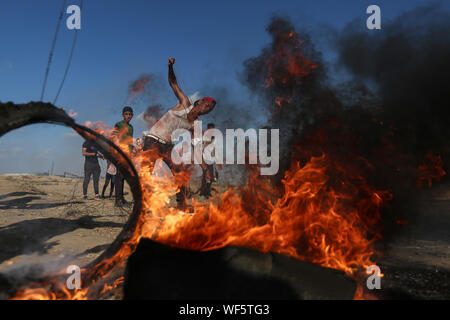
(91, 167)
(123, 135)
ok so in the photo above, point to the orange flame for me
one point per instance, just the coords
(432, 168)
(287, 65)
(310, 219)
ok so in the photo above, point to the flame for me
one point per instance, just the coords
(313, 217)
(100, 127)
(430, 169)
(325, 211)
(107, 287)
(310, 221)
(280, 100)
(50, 290)
(287, 66)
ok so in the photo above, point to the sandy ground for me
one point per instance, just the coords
(44, 221)
(46, 225)
(44, 218)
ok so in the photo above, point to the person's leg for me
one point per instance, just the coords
(181, 197)
(204, 187)
(210, 172)
(87, 178)
(96, 174)
(119, 188)
(166, 153)
(216, 173)
(107, 178)
(111, 189)
(122, 184)
(154, 152)
(116, 182)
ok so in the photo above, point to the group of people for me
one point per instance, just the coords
(92, 168)
(158, 138)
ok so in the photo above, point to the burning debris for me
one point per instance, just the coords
(53, 286)
(430, 169)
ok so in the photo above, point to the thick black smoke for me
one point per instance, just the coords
(272, 63)
(303, 97)
(384, 121)
(409, 63)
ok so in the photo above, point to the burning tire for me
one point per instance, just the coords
(15, 116)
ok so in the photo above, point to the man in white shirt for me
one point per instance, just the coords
(182, 116)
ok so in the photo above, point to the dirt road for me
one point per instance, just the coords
(44, 221)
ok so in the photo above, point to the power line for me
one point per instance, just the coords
(69, 61)
(52, 49)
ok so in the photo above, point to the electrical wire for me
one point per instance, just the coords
(69, 61)
(52, 49)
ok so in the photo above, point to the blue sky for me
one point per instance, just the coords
(122, 40)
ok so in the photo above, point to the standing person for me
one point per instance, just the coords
(182, 116)
(123, 136)
(210, 174)
(110, 176)
(91, 167)
(139, 144)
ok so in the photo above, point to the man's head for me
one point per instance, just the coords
(127, 114)
(204, 105)
(210, 126)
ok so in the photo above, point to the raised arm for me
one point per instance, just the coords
(182, 98)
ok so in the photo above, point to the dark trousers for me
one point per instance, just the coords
(209, 176)
(118, 182)
(89, 170)
(164, 151)
(108, 178)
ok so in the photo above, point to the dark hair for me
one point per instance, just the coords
(127, 109)
(196, 102)
(210, 125)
